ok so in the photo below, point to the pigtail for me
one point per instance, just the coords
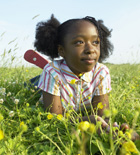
(46, 37)
(106, 46)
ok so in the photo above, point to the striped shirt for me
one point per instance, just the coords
(59, 80)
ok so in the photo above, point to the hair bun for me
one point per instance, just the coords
(46, 37)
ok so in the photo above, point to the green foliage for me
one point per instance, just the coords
(27, 130)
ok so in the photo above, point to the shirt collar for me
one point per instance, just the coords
(69, 75)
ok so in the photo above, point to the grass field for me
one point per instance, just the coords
(26, 129)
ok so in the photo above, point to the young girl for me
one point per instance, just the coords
(78, 80)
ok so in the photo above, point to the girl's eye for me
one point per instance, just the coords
(96, 42)
(79, 42)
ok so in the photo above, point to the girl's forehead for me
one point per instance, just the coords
(82, 26)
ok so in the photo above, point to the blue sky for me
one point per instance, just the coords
(123, 16)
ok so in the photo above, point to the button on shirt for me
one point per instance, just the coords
(59, 80)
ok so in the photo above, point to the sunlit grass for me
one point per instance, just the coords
(26, 129)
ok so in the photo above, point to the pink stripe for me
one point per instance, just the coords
(92, 82)
(64, 98)
(47, 83)
(71, 76)
(67, 93)
(40, 85)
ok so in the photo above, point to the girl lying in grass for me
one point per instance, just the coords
(78, 80)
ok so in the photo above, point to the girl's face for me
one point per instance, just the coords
(81, 48)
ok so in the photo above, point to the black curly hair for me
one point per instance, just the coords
(51, 33)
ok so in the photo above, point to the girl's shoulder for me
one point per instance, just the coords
(99, 67)
(53, 67)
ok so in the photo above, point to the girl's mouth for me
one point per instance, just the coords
(89, 61)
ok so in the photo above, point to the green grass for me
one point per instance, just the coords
(39, 135)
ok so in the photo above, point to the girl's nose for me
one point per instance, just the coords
(89, 48)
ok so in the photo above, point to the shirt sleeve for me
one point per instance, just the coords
(103, 85)
(49, 83)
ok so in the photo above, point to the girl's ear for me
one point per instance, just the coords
(61, 50)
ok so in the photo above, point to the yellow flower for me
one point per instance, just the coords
(83, 126)
(27, 104)
(49, 116)
(1, 135)
(89, 97)
(59, 116)
(72, 81)
(92, 128)
(130, 147)
(21, 123)
(114, 111)
(80, 75)
(128, 135)
(120, 134)
(24, 127)
(107, 112)
(67, 114)
(1, 117)
(100, 105)
(37, 129)
(70, 95)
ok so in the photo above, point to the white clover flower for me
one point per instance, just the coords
(2, 91)
(35, 87)
(1, 101)
(16, 101)
(9, 94)
(11, 113)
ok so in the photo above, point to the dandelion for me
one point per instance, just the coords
(120, 133)
(1, 101)
(1, 117)
(92, 128)
(67, 115)
(37, 129)
(16, 101)
(27, 104)
(59, 117)
(23, 126)
(100, 105)
(130, 147)
(114, 111)
(21, 123)
(107, 112)
(70, 95)
(11, 113)
(72, 81)
(62, 100)
(49, 116)
(80, 75)
(83, 126)
(27, 70)
(89, 97)
(128, 135)
(9, 94)
(1, 135)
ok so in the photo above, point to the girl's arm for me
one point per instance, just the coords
(105, 102)
(52, 103)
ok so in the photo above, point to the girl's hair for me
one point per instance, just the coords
(51, 33)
